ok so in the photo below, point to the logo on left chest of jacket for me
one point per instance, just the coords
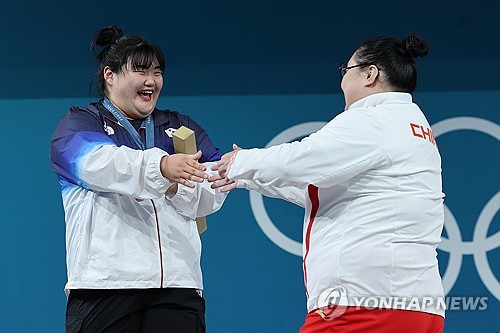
(170, 131)
(109, 130)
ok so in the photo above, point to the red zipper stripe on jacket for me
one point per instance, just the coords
(159, 242)
(313, 196)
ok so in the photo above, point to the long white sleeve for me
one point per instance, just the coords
(292, 194)
(348, 145)
(199, 201)
(125, 171)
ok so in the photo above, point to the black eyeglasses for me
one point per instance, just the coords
(343, 68)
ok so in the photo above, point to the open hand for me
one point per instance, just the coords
(183, 169)
(224, 184)
(223, 166)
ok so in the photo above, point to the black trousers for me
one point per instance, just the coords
(168, 310)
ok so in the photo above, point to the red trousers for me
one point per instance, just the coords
(360, 320)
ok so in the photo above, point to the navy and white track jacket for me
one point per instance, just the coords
(122, 231)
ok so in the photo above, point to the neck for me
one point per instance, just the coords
(122, 112)
(118, 108)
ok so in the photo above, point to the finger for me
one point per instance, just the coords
(198, 178)
(199, 173)
(192, 160)
(214, 178)
(223, 186)
(218, 165)
(197, 155)
(217, 184)
(222, 173)
(223, 183)
(195, 165)
(236, 147)
(228, 187)
(185, 182)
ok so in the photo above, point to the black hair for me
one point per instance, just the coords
(119, 50)
(394, 59)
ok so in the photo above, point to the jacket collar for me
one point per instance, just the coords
(160, 117)
(382, 98)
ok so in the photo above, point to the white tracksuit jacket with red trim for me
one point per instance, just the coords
(370, 182)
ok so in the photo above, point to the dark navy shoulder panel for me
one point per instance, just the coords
(167, 122)
(80, 131)
(95, 118)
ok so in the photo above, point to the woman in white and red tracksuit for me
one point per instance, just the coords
(370, 182)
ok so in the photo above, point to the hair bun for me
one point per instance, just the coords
(414, 46)
(106, 36)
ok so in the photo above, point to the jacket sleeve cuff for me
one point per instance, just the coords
(155, 177)
(184, 201)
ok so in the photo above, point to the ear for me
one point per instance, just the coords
(109, 76)
(371, 75)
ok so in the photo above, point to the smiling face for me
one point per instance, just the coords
(134, 91)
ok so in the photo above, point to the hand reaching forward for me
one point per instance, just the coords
(222, 167)
(183, 169)
(224, 184)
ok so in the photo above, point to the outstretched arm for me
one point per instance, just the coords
(346, 146)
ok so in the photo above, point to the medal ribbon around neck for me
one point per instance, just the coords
(148, 123)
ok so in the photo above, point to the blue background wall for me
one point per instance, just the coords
(246, 71)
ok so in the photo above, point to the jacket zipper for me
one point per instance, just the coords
(159, 242)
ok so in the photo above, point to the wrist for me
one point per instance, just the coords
(164, 166)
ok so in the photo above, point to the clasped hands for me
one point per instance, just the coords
(185, 169)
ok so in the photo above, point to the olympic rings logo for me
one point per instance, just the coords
(454, 245)
(480, 243)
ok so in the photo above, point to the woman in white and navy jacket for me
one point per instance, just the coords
(133, 249)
